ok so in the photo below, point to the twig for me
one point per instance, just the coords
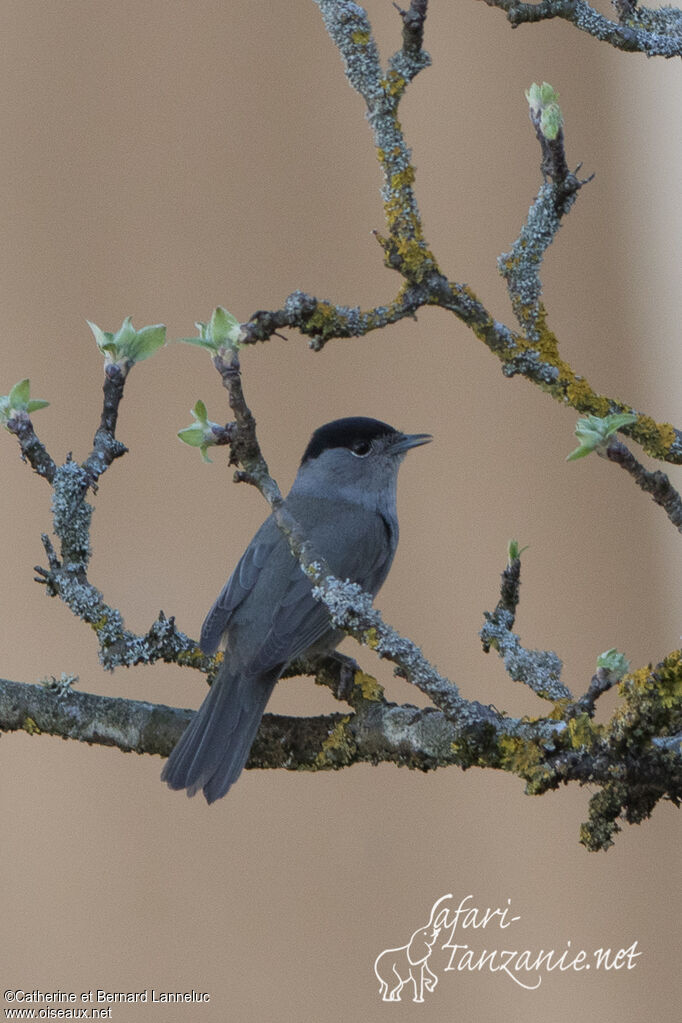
(105, 445)
(532, 352)
(655, 32)
(540, 670)
(600, 683)
(413, 27)
(657, 483)
(33, 450)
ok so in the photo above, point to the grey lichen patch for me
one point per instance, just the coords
(351, 609)
(350, 30)
(521, 266)
(59, 686)
(540, 670)
(407, 66)
(71, 512)
(431, 731)
(529, 363)
(347, 603)
(655, 32)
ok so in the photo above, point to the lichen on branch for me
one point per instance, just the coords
(656, 32)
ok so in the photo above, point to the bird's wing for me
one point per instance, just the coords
(237, 587)
(286, 619)
(298, 620)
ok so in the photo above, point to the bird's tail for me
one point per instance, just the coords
(215, 745)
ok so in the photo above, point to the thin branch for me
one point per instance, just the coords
(67, 573)
(405, 248)
(321, 321)
(657, 32)
(510, 594)
(600, 683)
(33, 450)
(540, 670)
(413, 27)
(105, 445)
(532, 352)
(657, 483)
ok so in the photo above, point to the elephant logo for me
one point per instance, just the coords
(409, 964)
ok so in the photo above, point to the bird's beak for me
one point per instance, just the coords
(406, 441)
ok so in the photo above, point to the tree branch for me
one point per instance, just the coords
(105, 446)
(657, 32)
(655, 483)
(413, 28)
(636, 758)
(540, 670)
(32, 450)
(534, 351)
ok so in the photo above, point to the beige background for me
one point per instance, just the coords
(159, 158)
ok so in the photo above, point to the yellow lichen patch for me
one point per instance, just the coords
(410, 255)
(394, 85)
(641, 680)
(656, 438)
(547, 343)
(403, 179)
(361, 38)
(100, 623)
(400, 215)
(666, 682)
(581, 397)
(560, 708)
(338, 748)
(324, 314)
(519, 756)
(413, 256)
(652, 701)
(371, 638)
(325, 322)
(582, 731)
(195, 657)
(30, 726)
(368, 686)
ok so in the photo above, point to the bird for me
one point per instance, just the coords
(344, 500)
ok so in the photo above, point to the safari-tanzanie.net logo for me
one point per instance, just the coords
(450, 941)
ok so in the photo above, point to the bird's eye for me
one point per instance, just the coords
(360, 448)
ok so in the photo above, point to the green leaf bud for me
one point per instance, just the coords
(223, 331)
(615, 663)
(128, 346)
(19, 400)
(545, 111)
(593, 432)
(201, 433)
(514, 551)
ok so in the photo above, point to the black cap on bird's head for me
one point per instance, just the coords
(357, 434)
